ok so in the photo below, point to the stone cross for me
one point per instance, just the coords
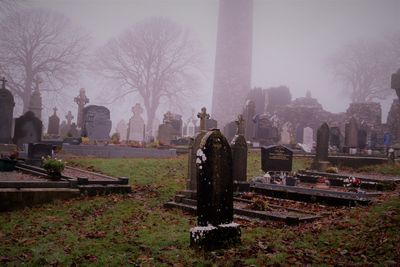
(240, 125)
(81, 100)
(396, 82)
(203, 116)
(69, 118)
(4, 81)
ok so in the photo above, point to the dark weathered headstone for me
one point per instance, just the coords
(37, 151)
(276, 158)
(28, 129)
(96, 123)
(165, 133)
(73, 131)
(6, 113)
(54, 124)
(214, 195)
(322, 143)
(239, 152)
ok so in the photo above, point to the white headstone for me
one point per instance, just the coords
(308, 137)
(122, 130)
(136, 125)
(285, 135)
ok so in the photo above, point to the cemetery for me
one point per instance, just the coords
(134, 175)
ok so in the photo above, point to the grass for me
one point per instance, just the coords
(135, 229)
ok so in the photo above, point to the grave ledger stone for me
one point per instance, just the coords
(276, 158)
(6, 113)
(215, 228)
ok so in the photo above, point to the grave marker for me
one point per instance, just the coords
(276, 158)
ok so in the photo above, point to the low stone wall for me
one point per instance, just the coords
(117, 152)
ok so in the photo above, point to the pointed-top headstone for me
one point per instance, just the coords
(239, 152)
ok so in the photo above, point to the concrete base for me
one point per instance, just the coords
(215, 237)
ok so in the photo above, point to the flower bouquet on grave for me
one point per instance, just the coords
(53, 167)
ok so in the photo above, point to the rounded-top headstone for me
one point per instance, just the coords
(214, 180)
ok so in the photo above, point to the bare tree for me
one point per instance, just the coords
(7, 6)
(155, 58)
(365, 69)
(36, 44)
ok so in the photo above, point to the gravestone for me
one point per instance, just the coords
(54, 124)
(171, 129)
(276, 158)
(215, 228)
(122, 130)
(321, 157)
(263, 129)
(64, 128)
(351, 134)
(165, 133)
(248, 113)
(136, 130)
(308, 136)
(362, 138)
(239, 152)
(37, 151)
(335, 137)
(285, 135)
(193, 147)
(6, 113)
(395, 82)
(96, 124)
(230, 130)
(35, 102)
(28, 129)
(81, 100)
(211, 124)
(73, 131)
(190, 128)
(300, 133)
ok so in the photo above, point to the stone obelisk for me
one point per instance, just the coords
(232, 76)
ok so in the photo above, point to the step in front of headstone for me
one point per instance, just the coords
(174, 205)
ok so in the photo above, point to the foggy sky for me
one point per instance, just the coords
(292, 39)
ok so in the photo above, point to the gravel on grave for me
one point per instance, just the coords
(20, 176)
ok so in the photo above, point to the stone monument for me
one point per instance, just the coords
(35, 103)
(96, 124)
(136, 129)
(81, 100)
(321, 161)
(6, 113)
(215, 228)
(28, 129)
(122, 130)
(54, 124)
(239, 152)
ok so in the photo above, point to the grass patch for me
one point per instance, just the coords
(135, 229)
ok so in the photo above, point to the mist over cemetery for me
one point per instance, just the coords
(243, 175)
